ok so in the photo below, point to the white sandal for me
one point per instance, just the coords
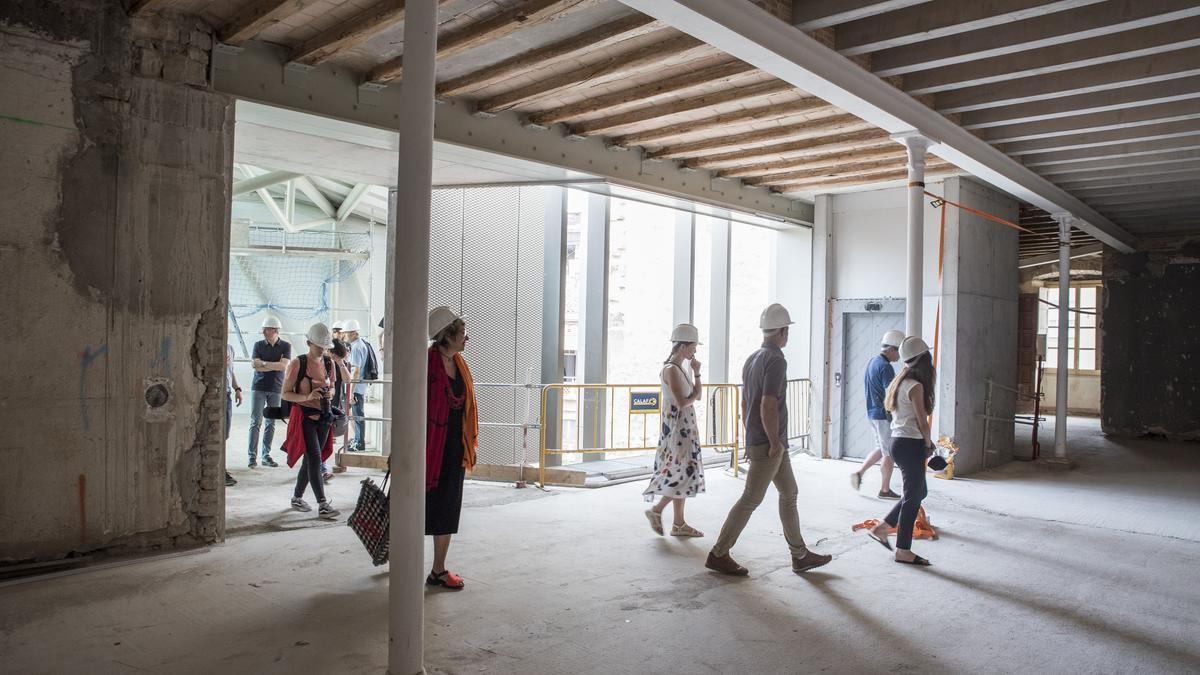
(685, 530)
(655, 521)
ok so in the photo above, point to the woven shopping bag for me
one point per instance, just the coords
(370, 518)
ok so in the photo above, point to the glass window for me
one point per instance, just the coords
(1087, 359)
(1081, 334)
(752, 249)
(640, 290)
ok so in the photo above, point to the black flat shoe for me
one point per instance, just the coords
(918, 561)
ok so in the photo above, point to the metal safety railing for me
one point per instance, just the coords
(625, 418)
(799, 400)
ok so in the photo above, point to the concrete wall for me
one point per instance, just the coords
(1150, 340)
(859, 252)
(115, 180)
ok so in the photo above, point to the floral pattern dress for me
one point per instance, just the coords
(678, 465)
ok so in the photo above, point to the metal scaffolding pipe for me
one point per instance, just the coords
(916, 145)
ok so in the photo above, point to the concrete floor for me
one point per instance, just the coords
(1091, 570)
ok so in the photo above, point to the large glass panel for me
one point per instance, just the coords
(702, 278)
(640, 290)
(1087, 359)
(749, 291)
(1087, 338)
(1087, 297)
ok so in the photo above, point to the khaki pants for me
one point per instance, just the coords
(763, 471)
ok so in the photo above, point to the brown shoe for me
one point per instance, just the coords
(809, 561)
(725, 565)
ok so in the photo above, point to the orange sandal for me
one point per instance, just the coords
(446, 578)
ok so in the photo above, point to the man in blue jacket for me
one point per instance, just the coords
(878, 376)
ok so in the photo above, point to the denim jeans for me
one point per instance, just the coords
(358, 409)
(228, 412)
(909, 454)
(258, 401)
(315, 433)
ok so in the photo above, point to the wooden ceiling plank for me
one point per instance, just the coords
(525, 15)
(645, 92)
(835, 124)
(641, 115)
(848, 141)
(256, 17)
(598, 37)
(619, 64)
(350, 34)
(888, 149)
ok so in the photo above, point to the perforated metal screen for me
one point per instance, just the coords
(487, 262)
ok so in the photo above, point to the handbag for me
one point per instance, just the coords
(370, 520)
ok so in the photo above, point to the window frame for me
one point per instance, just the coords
(1076, 295)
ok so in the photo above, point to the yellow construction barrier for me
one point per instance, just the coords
(610, 418)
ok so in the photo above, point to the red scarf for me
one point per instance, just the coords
(294, 444)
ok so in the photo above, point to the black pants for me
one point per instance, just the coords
(315, 433)
(909, 454)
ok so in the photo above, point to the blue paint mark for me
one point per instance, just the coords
(86, 357)
(163, 360)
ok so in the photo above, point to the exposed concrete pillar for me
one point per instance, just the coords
(684, 304)
(554, 266)
(822, 294)
(410, 299)
(718, 346)
(916, 145)
(1064, 333)
(593, 329)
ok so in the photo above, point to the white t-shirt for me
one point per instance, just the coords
(904, 418)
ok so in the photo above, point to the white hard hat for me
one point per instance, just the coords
(350, 326)
(319, 335)
(271, 322)
(912, 347)
(685, 332)
(440, 318)
(774, 316)
(892, 338)
(337, 325)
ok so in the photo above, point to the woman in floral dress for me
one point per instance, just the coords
(678, 466)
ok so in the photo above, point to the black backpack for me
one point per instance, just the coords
(284, 411)
(370, 370)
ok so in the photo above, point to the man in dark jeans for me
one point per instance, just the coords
(271, 355)
(232, 391)
(764, 409)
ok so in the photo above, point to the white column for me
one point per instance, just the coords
(410, 299)
(684, 304)
(1064, 333)
(718, 344)
(916, 145)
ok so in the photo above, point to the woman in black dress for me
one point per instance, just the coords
(452, 434)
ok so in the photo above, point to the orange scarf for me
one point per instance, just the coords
(470, 414)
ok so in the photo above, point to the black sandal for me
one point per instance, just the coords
(917, 560)
(886, 544)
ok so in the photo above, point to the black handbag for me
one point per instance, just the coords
(370, 520)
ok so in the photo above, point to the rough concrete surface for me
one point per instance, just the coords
(575, 582)
(1150, 340)
(116, 175)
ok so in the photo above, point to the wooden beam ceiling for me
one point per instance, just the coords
(525, 15)
(596, 38)
(613, 123)
(721, 72)
(811, 105)
(672, 45)
(256, 17)
(751, 173)
(857, 139)
(344, 36)
(851, 179)
(835, 124)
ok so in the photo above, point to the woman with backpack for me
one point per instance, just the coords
(909, 399)
(452, 434)
(308, 388)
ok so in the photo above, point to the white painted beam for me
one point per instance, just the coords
(1166, 185)
(351, 202)
(1121, 163)
(757, 37)
(262, 180)
(1121, 150)
(314, 195)
(1096, 51)
(940, 18)
(1183, 178)
(1187, 128)
(1127, 118)
(1087, 22)
(1182, 89)
(1144, 70)
(810, 15)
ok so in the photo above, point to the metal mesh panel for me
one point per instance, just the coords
(445, 250)
(489, 305)
(528, 356)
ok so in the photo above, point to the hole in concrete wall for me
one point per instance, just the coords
(157, 395)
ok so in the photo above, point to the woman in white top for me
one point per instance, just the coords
(910, 400)
(678, 466)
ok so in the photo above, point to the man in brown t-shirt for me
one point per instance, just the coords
(764, 409)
